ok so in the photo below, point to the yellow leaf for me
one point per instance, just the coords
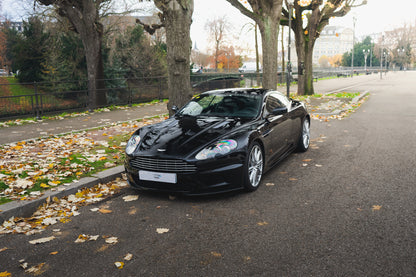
(43, 185)
(216, 254)
(262, 223)
(5, 273)
(376, 207)
(53, 253)
(105, 211)
(103, 158)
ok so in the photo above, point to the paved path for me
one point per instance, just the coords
(72, 124)
(349, 212)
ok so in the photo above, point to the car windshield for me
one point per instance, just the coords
(222, 105)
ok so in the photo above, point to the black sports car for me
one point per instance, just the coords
(222, 140)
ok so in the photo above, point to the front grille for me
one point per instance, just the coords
(163, 165)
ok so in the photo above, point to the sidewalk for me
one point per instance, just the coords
(45, 128)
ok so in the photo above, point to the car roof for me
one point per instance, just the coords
(238, 91)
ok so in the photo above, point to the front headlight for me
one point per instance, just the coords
(222, 147)
(132, 144)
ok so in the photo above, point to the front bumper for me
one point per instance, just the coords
(216, 176)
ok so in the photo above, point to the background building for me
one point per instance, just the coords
(334, 40)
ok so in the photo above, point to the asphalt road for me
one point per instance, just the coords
(344, 208)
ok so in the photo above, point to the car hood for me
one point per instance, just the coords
(182, 136)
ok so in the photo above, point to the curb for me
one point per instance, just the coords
(27, 208)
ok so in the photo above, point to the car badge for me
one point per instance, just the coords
(161, 150)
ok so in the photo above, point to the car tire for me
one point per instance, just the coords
(253, 167)
(304, 139)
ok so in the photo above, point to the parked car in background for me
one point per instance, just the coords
(3, 72)
(249, 67)
(222, 140)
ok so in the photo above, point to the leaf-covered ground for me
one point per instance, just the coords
(29, 167)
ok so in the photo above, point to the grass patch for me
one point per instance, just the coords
(345, 94)
(18, 89)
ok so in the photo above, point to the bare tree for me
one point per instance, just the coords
(266, 14)
(84, 16)
(176, 18)
(311, 17)
(217, 29)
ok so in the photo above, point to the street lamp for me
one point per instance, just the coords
(353, 42)
(400, 52)
(289, 65)
(366, 52)
(381, 57)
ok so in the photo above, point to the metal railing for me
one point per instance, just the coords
(37, 99)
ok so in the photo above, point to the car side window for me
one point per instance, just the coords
(276, 101)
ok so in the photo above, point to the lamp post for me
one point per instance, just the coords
(353, 42)
(400, 52)
(366, 52)
(381, 58)
(289, 65)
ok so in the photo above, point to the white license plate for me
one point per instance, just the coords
(157, 176)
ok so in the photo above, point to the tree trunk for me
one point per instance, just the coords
(269, 30)
(96, 86)
(84, 17)
(178, 20)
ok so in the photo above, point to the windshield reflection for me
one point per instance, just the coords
(221, 105)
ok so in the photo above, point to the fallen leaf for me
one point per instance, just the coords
(132, 211)
(307, 160)
(94, 209)
(102, 248)
(293, 179)
(82, 238)
(105, 211)
(111, 240)
(269, 184)
(318, 165)
(54, 253)
(162, 230)
(37, 269)
(3, 249)
(42, 240)
(263, 223)
(128, 257)
(5, 273)
(216, 254)
(376, 207)
(119, 265)
(129, 198)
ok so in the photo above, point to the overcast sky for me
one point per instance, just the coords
(375, 17)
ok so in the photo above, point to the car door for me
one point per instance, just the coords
(278, 126)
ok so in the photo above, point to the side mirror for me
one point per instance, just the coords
(279, 111)
(175, 108)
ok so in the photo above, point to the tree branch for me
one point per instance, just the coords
(244, 10)
(151, 29)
